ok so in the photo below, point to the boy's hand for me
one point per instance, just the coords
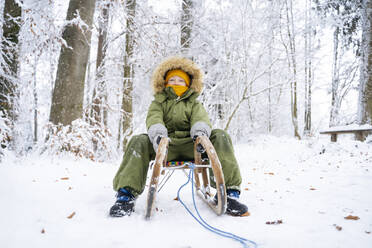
(199, 147)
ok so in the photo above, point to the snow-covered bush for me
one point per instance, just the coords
(81, 139)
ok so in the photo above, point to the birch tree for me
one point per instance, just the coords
(68, 93)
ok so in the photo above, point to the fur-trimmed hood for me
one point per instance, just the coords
(188, 66)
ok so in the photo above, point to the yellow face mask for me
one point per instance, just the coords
(178, 89)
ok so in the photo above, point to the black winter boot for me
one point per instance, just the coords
(124, 204)
(234, 207)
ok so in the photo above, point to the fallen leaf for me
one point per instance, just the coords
(312, 188)
(64, 178)
(269, 173)
(71, 215)
(274, 222)
(176, 199)
(246, 189)
(351, 217)
(339, 228)
(368, 232)
(43, 230)
(69, 188)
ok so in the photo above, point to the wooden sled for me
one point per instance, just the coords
(202, 176)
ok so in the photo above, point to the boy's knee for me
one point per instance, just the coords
(140, 140)
(219, 133)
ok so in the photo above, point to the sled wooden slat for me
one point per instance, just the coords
(220, 207)
(160, 160)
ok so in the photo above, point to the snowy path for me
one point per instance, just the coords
(309, 185)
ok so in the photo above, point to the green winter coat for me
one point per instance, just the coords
(177, 114)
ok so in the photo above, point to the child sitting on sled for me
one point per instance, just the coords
(174, 113)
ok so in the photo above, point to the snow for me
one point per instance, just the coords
(310, 185)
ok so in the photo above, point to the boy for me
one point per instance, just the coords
(175, 113)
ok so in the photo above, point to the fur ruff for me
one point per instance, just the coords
(158, 81)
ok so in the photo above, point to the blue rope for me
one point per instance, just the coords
(202, 222)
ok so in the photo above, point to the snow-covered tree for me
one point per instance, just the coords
(9, 53)
(68, 92)
(99, 98)
(126, 123)
(365, 86)
(344, 16)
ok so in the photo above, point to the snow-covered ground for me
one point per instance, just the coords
(298, 194)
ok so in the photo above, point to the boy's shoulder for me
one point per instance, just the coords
(160, 97)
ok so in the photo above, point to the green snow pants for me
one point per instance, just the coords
(132, 172)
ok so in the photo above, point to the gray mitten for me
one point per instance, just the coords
(156, 132)
(200, 129)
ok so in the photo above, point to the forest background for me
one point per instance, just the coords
(75, 75)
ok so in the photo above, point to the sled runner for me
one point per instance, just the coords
(209, 180)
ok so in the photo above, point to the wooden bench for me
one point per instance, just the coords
(361, 132)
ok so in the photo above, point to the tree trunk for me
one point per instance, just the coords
(35, 103)
(271, 29)
(292, 58)
(126, 127)
(99, 111)
(335, 80)
(68, 93)
(186, 25)
(308, 68)
(270, 83)
(365, 86)
(9, 52)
